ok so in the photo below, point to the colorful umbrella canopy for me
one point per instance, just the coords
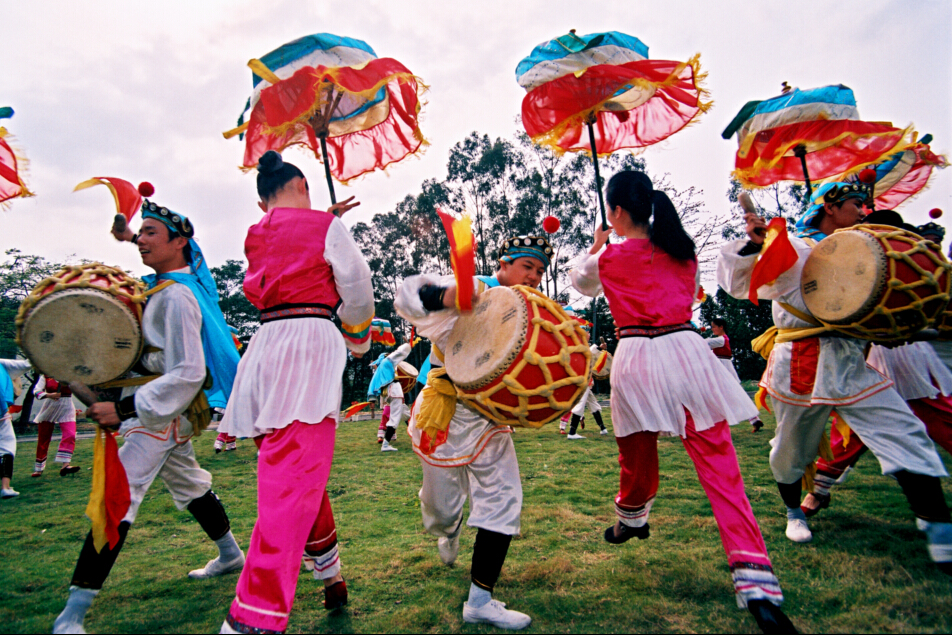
(12, 165)
(804, 134)
(606, 78)
(333, 92)
(905, 174)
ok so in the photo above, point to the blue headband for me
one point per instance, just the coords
(526, 247)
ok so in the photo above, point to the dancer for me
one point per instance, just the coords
(666, 382)
(721, 347)
(11, 370)
(384, 418)
(225, 443)
(478, 458)
(182, 319)
(302, 263)
(57, 408)
(385, 379)
(808, 378)
(589, 401)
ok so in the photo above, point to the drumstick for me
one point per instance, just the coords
(119, 224)
(83, 393)
(747, 204)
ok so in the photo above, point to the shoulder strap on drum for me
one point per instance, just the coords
(165, 284)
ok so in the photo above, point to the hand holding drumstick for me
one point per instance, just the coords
(756, 226)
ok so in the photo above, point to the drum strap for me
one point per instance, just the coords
(199, 412)
(764, 344)
(436, 410)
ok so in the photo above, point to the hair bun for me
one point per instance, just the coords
(270, 162)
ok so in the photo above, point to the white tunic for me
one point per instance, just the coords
(469, 431)
(59, 410)
(842, 376)
(916, 370)
(8, 439)
(655, 379)
(398, 405)
(293, 369)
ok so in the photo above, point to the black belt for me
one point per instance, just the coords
(720, 357)
(652, 331)
(294, 311)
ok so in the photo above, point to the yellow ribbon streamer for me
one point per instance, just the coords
(437, 406)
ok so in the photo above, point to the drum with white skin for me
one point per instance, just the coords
(83, 324)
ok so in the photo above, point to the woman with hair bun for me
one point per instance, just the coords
(303, 267)
(666, 382)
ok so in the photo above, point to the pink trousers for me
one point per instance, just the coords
(293, 468)
(715, 461)
(66, 445)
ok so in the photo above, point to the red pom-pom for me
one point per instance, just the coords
(146, 189)
(551, 224)
(935, 213)
(868, 176)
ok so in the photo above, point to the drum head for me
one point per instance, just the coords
(485, 342)
(81, 335)
(844, 277)
(406, 370)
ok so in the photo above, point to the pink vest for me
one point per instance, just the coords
(286, 265)
(645, 286)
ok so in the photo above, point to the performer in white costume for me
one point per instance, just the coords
(384, 379)
(807, 378)
(721, 347)
(477, 458)
(177, 322)
(589, 401)
(12, 370)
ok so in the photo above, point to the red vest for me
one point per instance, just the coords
(724, 352)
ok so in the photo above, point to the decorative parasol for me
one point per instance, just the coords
(804, 134)
(381, 332)
(355, 111)
(604, 83)
(12, 164)
(903, 175)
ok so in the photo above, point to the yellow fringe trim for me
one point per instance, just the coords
(550, 139)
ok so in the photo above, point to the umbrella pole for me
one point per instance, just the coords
(327, 169)
(598, 177)
(801, 152)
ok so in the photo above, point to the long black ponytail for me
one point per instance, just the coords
(634, 193)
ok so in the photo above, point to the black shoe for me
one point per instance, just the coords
(69, 469)
(770, 618)
(627, 533)
(945, 567)
(756, 426)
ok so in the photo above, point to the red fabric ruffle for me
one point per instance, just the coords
(569, 100)
(10, 186)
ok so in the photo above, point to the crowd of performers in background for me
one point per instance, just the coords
(667, 381)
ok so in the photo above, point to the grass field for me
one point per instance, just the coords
(867, 569)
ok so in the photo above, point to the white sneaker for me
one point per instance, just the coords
(67, 626)
(604, 431)
(923, 525)
(216, 568)
(9, 493)
(495, 613)
(449, 548)
(574, 436)
(798, 531)
(386, 447)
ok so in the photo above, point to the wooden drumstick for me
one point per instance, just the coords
(747, 204)
(83, 392)
(119, 224)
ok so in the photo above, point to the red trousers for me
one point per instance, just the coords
(66, 445)
(935, 413)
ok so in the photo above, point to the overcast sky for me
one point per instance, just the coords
(143, 91)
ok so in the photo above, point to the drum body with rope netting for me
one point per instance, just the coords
(83, 324)
(406, 374)
(876, 282)
(518, 358)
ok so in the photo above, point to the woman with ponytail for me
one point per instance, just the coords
(303, 268)
(665, 381)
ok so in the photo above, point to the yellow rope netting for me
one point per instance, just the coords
(572, 339)
(908, 318)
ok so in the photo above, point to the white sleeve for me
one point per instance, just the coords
(715, 342)
(585, 277)
(734, 271)
(433, 325)
(352, 278)
(15, 367)
(161, 400)
(39, 391)
(400, 354)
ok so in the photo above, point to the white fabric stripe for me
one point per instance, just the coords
(752, 554)
(322, 538)
(796, 114)
(548, 70)
(257, 610)
(334, 56)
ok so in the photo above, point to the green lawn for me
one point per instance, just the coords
(867, 569)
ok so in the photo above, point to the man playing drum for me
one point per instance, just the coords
(807, 378)
(478, 458)
(187, 337)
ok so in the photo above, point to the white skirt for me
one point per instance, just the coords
(915, 369)
(292, 371)
(8, 440)
(655, 379)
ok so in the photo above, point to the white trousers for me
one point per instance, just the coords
(147, 455)
(587, 401)
(492, 483)
(8, 440)
(883, 421)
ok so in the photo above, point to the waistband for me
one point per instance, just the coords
(724, 356)
(652, 331)
(294, 311)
